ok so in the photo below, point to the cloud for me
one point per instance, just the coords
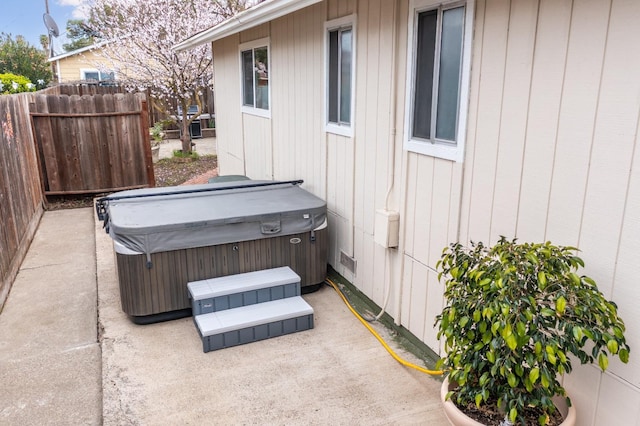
(81, 7)
(74, 3)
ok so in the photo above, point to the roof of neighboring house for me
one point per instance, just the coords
(78, 51)
(259, 14)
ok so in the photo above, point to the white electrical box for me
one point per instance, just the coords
(387, 228)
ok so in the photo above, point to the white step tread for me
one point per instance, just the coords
(230, 284)
(252, 315)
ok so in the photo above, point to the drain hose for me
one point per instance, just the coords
(377, 336)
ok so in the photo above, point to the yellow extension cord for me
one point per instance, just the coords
(377, 336)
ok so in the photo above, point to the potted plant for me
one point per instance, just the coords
(514, 315)
(157, 135)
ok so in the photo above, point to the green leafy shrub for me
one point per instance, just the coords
(157, 133)
(11, 83)
(514, 314)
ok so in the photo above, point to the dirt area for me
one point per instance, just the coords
(177, 171)
(168, 172)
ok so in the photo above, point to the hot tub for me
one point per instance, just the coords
(167, 237)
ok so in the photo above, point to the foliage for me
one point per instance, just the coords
(11, 83)
(514, 314)
(80, 35)
(19, 57)
(140, 38)
(157, 133)
(188, 155)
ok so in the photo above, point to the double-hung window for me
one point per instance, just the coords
(254, 63)
(339, 75)
(438, 91)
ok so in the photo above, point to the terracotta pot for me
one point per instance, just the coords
(458, 418)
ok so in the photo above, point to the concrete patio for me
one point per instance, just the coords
(69, 355)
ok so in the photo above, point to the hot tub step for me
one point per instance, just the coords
(232, 291)
(255, 322)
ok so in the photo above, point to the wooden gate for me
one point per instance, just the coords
(92, 143)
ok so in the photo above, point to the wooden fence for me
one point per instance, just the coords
(21, 198)
(92, 143)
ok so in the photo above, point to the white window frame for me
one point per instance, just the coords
(335, 24)
(254, 44)
(84, 71)
(434, 148)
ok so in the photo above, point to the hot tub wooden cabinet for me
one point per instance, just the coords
(167, 237)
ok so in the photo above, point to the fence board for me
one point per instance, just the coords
(92, 143)
(20, 191)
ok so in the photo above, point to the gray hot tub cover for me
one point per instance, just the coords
(164, 219)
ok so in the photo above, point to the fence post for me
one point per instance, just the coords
(147, 144)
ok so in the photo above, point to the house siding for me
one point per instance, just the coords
(552, 150)
(550, 154)
(229, 129)
(69, 68)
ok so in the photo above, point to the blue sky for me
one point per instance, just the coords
(24, 17)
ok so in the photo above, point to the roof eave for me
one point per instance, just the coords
(77, 51)
(257, 15)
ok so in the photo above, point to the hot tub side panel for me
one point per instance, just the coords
(163, 288)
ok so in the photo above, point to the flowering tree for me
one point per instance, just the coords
(140, 35)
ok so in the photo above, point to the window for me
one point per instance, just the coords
(103, 78)
(91, 76)
(339, 75)
(440, 72)
(254, 60)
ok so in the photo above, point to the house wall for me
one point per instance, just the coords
(552, 156)
(554, 107)
(69, 68)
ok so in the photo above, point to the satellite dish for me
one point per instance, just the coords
(51, 25)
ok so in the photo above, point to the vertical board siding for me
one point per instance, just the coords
(513, 120)
(297, 55)
(547, 81)
(255, 33)
(21, 194)
(258, 149)
(228, 98)
(556, 152)
(583, 384)
(553, 125)
(625, 292)
(618, 403)
(494, 41)
(611, 180)
(339, 8)
(376, 143)
(577, 119)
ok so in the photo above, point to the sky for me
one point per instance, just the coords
(24, 17)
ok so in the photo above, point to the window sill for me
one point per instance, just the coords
(339, 130)
(265, 113)
(446, 152)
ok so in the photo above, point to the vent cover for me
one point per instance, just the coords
(347, 261)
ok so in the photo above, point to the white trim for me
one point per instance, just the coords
(257, 15)
(84, 71)
(100, 72)
(447, 151)
(253, 44)
(78, 51)
(335, 128)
